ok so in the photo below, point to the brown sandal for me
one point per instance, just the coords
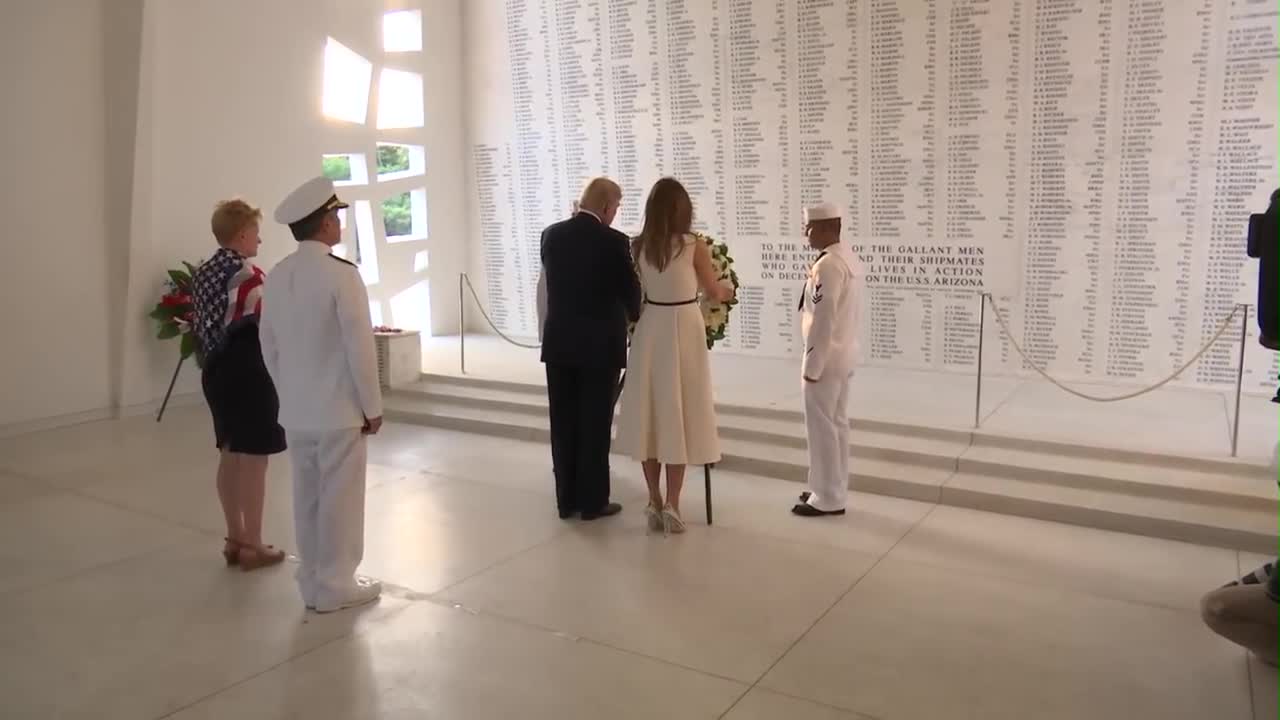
(252, 557)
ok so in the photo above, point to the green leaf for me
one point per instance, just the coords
(180, 278)
(191, 269)
(188, 345)
(169, 330)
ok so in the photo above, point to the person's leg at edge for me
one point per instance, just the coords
(671, 519)
(306, 506)
(823, 442)
(252, 479)
(1246, 616)
(562, 406)
(653, 478)
(675, 483)
(841, 419)
(340, 517)
(253, 487)
(228, 496)
(595, 423)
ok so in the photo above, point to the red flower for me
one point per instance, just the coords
(175, 300)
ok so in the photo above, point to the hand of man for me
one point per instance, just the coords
(372, 425)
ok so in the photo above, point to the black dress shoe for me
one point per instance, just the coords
(807, 510)
(804, 496)
(609, 509)
(565, 514)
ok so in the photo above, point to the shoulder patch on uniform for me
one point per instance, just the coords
(345, 261)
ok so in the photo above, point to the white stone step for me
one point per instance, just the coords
(1238, 528)
(870, 475)
(533, 398)
(1130, 473)
(1252, 491)
(1033, 493)
(916, 449)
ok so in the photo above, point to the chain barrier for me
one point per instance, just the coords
(489, 320)
(1226, 323)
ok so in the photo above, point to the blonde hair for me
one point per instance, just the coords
(599, 194)
(668, 217)
(232, 216)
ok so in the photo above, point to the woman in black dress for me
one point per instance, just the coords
(227, 293)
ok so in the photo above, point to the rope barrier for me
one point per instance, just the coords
(1098, 398)
(1004, 326)
(489, 320)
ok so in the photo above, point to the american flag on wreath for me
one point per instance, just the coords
(226, 290)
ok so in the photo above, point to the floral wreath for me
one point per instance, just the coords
(715, 315)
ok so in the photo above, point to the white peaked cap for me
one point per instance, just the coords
(312, 196)
(822, 211)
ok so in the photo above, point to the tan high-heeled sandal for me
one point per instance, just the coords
(653, 518)
(672, 523)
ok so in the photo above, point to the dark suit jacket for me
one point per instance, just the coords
(1263, 245)
(592, 293)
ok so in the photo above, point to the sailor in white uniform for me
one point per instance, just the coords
(317, 343)
(831, 305)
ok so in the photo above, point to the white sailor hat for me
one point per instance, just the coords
(821, 211)
(312, 197)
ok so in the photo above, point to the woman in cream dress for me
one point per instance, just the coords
(668, 415)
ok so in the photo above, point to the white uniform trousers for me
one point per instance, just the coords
(827, 423)
(328, 511)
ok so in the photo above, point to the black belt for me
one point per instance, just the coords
(647, 301)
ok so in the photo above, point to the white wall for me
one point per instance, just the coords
(54, 281)
(121, 130)
(1105, 212)
(230, 105)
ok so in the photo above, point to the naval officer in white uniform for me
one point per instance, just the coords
(831, 305)
(317, 342)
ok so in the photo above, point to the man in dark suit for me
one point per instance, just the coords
(592, 294)
(1262, 244)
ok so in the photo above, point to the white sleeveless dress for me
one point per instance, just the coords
(668, 413)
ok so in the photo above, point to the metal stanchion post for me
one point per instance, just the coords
(706, 474)
(168, 393)
(982, 332)
(462, 323)
(1244, 334)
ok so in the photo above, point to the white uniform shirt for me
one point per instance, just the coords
(317, 341)
(831, 307)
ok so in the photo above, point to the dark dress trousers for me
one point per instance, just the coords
(592, 294)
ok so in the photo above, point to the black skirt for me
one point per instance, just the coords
(241, 396)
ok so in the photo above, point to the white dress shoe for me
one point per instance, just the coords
(364, 592)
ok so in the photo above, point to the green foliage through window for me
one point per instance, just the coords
(392, 159)
(397, 211)
(337, 168)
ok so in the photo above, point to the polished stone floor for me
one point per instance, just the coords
(114, 602)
